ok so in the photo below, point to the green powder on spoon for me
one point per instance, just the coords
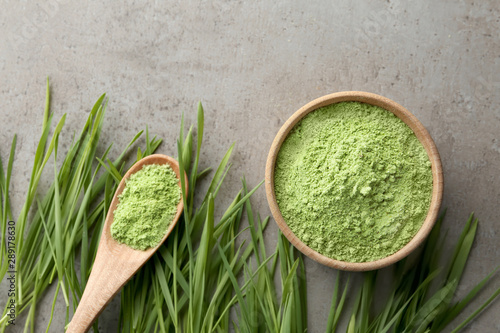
(146, 207)
(353, 182)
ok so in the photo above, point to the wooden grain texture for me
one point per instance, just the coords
(116, 263)
(422, 135)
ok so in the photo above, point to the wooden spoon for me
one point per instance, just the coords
(116, 263)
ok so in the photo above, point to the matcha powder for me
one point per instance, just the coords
(353, 182)
(146, 207)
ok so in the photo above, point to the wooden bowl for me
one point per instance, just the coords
(422, 135)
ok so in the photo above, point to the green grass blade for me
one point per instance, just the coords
(84, 253)
(148, 143)
(53, 308)
(111, 169)
(462, 253)
(477, 311)
(47, 105)
(366, 300)
(430, 309)
(455, 310)
(58, 225)
(162, 280)
(336, 308)
(219, 172)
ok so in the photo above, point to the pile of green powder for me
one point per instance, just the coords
(146, 207)
(353, 182)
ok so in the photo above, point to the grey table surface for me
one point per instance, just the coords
(252, 64)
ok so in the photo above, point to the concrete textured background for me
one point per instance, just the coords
(252, 64)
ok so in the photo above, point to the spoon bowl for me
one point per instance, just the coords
(116, 263)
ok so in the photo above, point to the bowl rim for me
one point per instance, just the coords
(423, 136)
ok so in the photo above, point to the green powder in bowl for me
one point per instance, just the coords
(353, 182)
(146, 207)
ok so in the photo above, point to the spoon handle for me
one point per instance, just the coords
(109, 273)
